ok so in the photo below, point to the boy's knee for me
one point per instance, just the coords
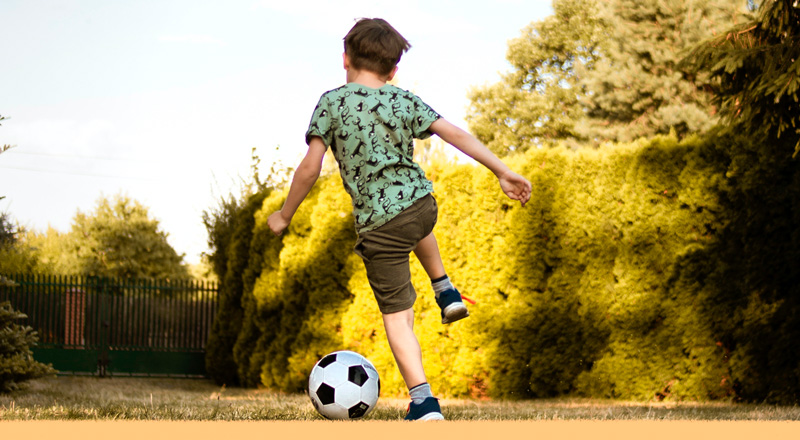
(402, 317)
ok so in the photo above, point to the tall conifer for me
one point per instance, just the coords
(637, 88)
(756, 68)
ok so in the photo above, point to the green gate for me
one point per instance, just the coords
(108, 326)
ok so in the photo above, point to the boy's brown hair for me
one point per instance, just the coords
(374, 45)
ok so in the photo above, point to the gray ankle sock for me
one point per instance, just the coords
(441, 284)
(420, 392)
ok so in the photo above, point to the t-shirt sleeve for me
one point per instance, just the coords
(423, 117)
(320, 124)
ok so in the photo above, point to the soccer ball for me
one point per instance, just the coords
(344, 385)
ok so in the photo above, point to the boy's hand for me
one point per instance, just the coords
(516, 187)
(277, 224)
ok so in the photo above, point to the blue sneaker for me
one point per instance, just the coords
(427, 410)
(452, 307)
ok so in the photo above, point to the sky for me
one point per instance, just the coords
(163, 100)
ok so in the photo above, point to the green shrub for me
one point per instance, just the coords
(230, 230)
(16, 359)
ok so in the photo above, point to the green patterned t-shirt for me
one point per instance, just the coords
(371, 133)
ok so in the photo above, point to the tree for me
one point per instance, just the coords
(637, 88)
(16, 359)
(7, 240)
(53, 250)
(539, 100)
(119, 239)
(15, 255)
(8, 233)
(756, 68)
(598, 71)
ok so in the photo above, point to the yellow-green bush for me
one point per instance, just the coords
(651, 270)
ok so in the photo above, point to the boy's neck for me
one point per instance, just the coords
(366, 78)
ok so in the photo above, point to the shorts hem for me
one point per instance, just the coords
(395, 308)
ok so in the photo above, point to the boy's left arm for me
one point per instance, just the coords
(514, 186)
(304, 178)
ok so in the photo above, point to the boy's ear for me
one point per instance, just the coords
(345, 61)
(391, 75)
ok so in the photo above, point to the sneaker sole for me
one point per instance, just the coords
(431, 416)
(454, 312)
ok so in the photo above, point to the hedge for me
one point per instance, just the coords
(654, 270)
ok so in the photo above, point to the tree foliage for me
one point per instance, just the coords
(119, 239)
(756, 68)
(54, 251)
(538, 101)
(602, 70)
(8, 231)
(15, 255)
(637, 88)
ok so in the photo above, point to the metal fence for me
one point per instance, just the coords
(116, 326)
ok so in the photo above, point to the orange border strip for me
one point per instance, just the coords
(490, 430)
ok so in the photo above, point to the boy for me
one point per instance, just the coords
(370, 127)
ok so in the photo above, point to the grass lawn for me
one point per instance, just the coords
(125, 398)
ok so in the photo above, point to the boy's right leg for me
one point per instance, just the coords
(427, 252)
(447, 297)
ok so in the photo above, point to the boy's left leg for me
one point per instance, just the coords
(447, 297)
(408, 355)
(405, 347)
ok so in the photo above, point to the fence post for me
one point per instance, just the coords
(103, 360)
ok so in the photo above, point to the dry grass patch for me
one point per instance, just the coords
(124, 398)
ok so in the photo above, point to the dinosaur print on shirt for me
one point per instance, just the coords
(371, 133)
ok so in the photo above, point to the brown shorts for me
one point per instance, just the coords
(385, 252)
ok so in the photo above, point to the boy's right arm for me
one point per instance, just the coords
(305, 176)
(514, 186)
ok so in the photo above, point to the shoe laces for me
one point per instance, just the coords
(471, 301)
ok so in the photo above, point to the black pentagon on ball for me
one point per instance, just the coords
(326, 394)
(357, 374)
(358, 410)
(327, 360)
